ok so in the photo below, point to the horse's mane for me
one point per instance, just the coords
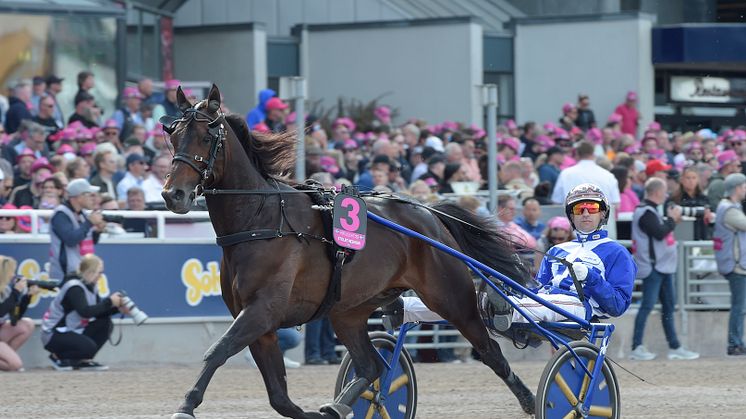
(273, 155)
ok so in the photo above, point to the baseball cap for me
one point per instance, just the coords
(656, 165)
(732, 181)
(555, 150)
(727, 157)
(37, 80)
(134, 158)
(41, 163)
(82, 97)
(631, 95)
(275, 103)
(559, 222)
(52, 79)
(26, 152)
(131, 91)
(78, 187)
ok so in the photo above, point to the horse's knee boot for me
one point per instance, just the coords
(337, 409)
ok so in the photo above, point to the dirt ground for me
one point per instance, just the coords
(701, 388)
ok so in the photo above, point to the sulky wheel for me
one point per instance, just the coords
(563, 385)
(401, 402)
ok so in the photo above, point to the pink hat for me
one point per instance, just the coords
(329, 165)
(633, 149)
(84, 134)
(549, 127)
(87, 149)
(291, 118)
(567, 107)
(450, 125)
(350, 145)
(261, 127)
(172, 84)
(41, 163)
(739, 135)
(65, 148)
(131, 91)
(614, 118)
(631, 95)
(576, 131)
(26, 152)
(383, 113)
(694, 145)
(559, 222)
(511, 142)
(76, 125)
(510, 124)
(346, 122)
(727, 157)
(654, 126)
(595, 135)
(111, 123)
(561, 134)
(157, 131)
(24, 221)
(275, 103)
(544, 141)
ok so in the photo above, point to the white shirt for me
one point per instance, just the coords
(152, 188)
(586, 171)
(129, 180)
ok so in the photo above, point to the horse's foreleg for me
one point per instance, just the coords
(238, 336)
(352, 332)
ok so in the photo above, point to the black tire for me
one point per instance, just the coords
(551, 402)
(401, 403)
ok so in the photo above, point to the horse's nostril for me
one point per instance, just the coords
(178, 195)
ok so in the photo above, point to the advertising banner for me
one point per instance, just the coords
(164, 280)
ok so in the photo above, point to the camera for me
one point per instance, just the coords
(138, 316)
(693, 211)
(113, 218)
(47, 285)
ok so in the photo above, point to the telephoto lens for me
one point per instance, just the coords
(138, 316)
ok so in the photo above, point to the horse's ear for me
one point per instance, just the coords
(213, 99)
(181, 100)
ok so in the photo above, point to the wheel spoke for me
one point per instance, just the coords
(602, 411)
(367, 395)
(562, 384)
(377, 384)
(586, 380)
(384, 413)
(371, 411)
(570, 415)
(398, 382)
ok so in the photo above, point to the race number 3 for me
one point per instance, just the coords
(350, 221)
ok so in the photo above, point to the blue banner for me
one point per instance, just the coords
(164, 280)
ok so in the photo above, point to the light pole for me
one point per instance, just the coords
(489, 100)
(294, 88)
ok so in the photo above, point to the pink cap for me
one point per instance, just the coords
(157, 131)
(727, 157)
(87, 148)
(65, 148)
(261, 127)
(561, 134)
(633, 149)
(450, 125)
(631, 95)
(567, 107)
(694, 145)
(511, 142)
(559, 222)
(275, 103)
(329, 164)
(131, 91)
(24, 221)
(510, 124)
(76, 125)
(172, 84)
(26, 152)
(383, 113)
(654, 126)
(595, 135)
(111, 123)
(576, 131)
(739, 135)
(41, 163)
(549, 127)
(544, 141)
(346, 122)
(614, 118)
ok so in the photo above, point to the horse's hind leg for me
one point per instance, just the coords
(268, 358)
(352, 331)
(466, 318)
(237, 337)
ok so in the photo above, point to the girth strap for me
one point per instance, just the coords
(244, 236)
(334, 292)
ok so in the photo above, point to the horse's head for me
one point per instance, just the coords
(197, 138)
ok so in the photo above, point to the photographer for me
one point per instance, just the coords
(693, 202)
(72, 233)
(14, 298)
(78, 321)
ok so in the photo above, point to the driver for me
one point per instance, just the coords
(604, 268)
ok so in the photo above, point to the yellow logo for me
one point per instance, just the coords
(200, 282)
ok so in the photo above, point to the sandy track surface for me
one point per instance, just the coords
(701, 388)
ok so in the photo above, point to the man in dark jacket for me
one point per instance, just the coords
(18, 109)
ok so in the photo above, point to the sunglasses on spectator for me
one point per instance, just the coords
(7, 218)
(591, 207)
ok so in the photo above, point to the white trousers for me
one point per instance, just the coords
(415, 310)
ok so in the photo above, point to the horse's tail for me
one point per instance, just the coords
(484, 243)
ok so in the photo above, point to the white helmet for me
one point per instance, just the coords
(586, 192)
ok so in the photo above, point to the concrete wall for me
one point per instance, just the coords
(427, 70)
(232, 56)
(557, 58)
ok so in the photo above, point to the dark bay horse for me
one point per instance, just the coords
(281, 282)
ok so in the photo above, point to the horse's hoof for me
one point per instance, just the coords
(181, 415)
(337, 410)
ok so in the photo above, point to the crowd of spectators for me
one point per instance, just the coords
(128, 155)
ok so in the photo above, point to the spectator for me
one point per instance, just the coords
(319, 348)
(30, 193)
(106, 166)
(83, 104)
(549, 171)
(153, 184)
(586, 119)
(45, 115)
(694, 203)
(9, 223)
(530, 219)
(657, 168)
(528, 140)
(54, 87)
(136, 202)
(586, 171)
(511, 178)
(287, 339)
(111, 133)
(6, 183)
(276, 111)
(31, 137)
(630, 116)
(78, 168)
(86, 83)
(628, 199)
(15, 294)
(469, 162)
(38, 86)
(728, 162)
(730, 253)
(52, 193)
(145, 86)
(436, 167)
(558, 231)
(78, 321)
(420, 190)
(656, 257)
(18, 109)
(543, 193)
(506, 214)
(72, 233)
(258, 114)
(128, 116)
(451, 174)
(135, 176)
(569, 115)
(169, 103)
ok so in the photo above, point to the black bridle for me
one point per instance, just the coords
(215, 136)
